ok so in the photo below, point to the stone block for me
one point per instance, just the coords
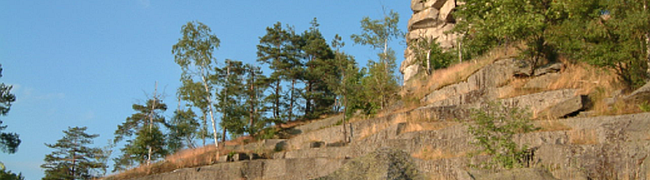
(424, 19)
(564, 108)
(445, 11)
(436, 3)
(540, 101)
(411, 71)
(641, 95)
(417, 6)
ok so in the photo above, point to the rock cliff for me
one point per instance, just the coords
(428, 142)
(430, 20)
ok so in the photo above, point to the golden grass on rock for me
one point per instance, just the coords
(430, 153)
(552, 125)
(583, 137)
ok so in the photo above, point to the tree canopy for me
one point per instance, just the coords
(73, 158)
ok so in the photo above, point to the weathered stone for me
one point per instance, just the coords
(540, 101)
(564, 108)
(435, 3)
(424, 19)
(445, 11)
(541, 82)
(641, 95)
(316, 144)
(381, 164)
(521, 173)
(549, 68)
(319, 124)
(411, 71)
(417, 6)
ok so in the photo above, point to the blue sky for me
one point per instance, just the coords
(84, 63)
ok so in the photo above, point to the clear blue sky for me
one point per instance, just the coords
(84, 63)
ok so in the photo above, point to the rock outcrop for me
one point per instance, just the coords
(429, 142)
(430, 20)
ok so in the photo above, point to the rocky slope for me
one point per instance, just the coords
(429, 143)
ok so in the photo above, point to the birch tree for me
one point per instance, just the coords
(381, 80)
(194, 54)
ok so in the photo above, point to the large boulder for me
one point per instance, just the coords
(557, 103)
(424, 19)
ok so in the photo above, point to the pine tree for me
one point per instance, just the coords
(193, 53)
(149, 143)
(318, 56)
(278, 50)
(231, 95)
(9, 142)
(72, 158)
(254, 87)
(183, 129)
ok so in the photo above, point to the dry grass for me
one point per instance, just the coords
(598, 83)
(187, 158)
(583, 137)
(421, 85)
(430, 153)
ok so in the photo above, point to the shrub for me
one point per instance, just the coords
(493, 129)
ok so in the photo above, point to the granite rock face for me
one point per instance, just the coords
(430, 20)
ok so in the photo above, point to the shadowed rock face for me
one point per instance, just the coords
(382, 164)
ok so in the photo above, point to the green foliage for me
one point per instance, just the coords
(611, 34)
(230, 96)
(9, 142)
(193, 53)
(72, 158)
(149, 143)
(430, 55)
(487, 23)
(320, 67)
(380, 83)
(8, 175)
(254, 95)
(278, 51)
(183, 129)
(645, 106)
(266, 133)
(493, 128)
(347, 86)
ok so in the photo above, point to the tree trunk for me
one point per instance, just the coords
(74, 161)
(251, 98)
(460, 50)
(276, 108)
(429, 61)
(151, 116)
(204, 128)
(647, 38)
(308, 103)
(209, 99)
(293, 83)
(225, 103)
